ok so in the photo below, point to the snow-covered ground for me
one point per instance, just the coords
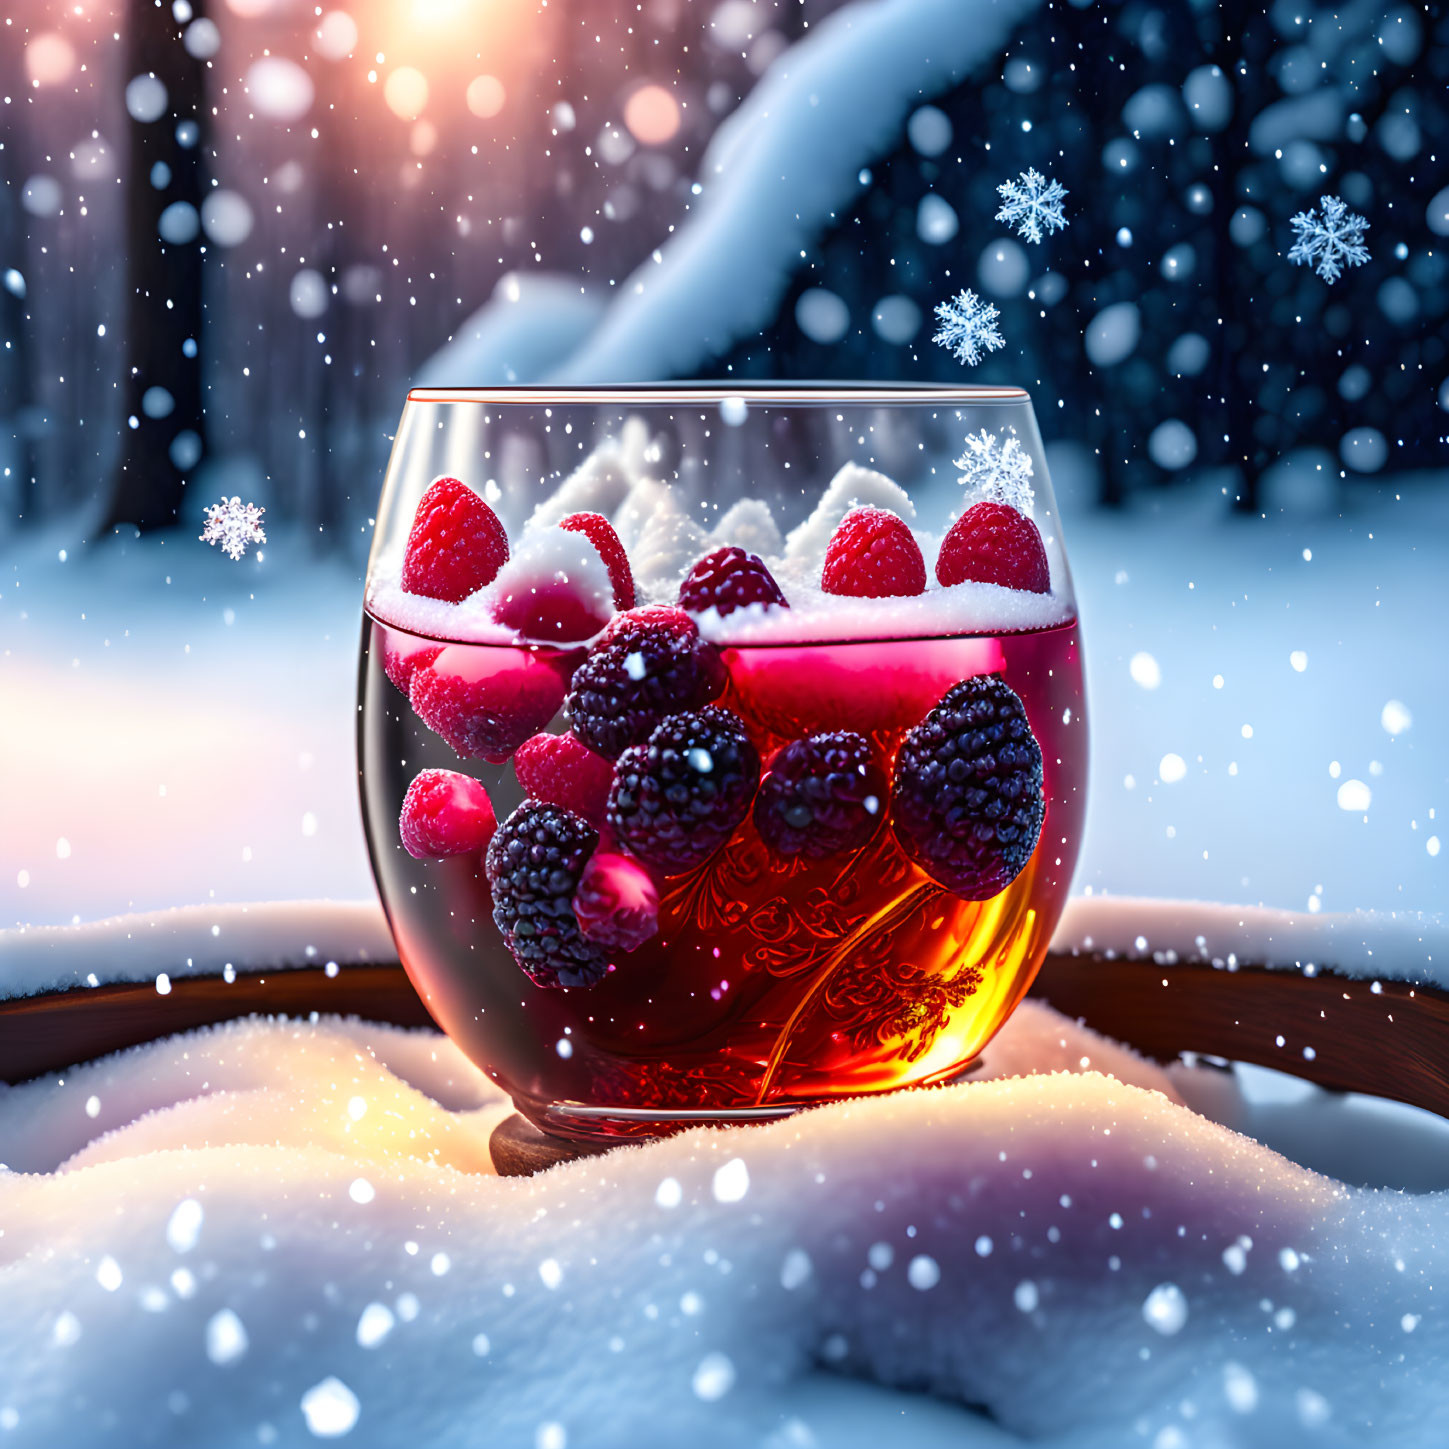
(277, 1232)
(165, 743)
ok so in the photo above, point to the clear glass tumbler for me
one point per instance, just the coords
(722, 750)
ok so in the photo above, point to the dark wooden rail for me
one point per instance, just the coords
(1393, 1042)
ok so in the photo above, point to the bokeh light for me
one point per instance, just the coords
(406, 92)
(652, 115)
(486, 96)
(49, 59)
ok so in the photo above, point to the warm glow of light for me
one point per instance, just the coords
(49, 59)
(486, 96)
(436, 12)
(406, 92)
(251, 9)
(652, 115)
(337, 35)
(423, 139)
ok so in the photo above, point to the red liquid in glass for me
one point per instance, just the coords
(770, 984)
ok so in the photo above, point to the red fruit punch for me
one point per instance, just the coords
(456, 545)
(445, 813)
(600, 532)
(994, 544)
(873, 555)
(561, 770)
(617, 902)
(485, 706)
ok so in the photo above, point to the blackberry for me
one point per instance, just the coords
(820, 796)
(726, 580)
(534, 865)
(649, 663)
(967, 805)
(677, 799)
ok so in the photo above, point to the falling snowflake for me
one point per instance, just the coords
(234, 525)
(997, 475)
(968, 327)
(1031, 203)
(1330, 241)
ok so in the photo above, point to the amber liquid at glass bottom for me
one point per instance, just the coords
(770, 985)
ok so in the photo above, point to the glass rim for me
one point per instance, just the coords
(763, 393)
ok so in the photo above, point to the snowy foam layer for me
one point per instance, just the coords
(276, 1231)
(814, 615)
(1389, 945)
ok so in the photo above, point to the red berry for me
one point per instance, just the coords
(562, 771)
(484, 707)
(445, 813)
(616, 903)
(726, 580)
(456, 545)
(600, 532)
(403, 656)
(873, 555)
(555, 589)
(993, 544)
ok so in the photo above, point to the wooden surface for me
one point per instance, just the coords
(1391, 1043)
(519, 1149)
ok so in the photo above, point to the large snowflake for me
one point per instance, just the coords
(968, 327)
(1331, 241)
(997, 474)
(1032, 204)
(234, 525)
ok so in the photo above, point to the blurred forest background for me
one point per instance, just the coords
(232, 232)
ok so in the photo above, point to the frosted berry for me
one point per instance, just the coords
(617, 902)
(678, 798)
(555, 589)
(726, 580)
(993, 544)
(456, 544)
(873, 555)
(649, 663)
(820, 796)
(967, 805)
(403, 656)
(485, 708)
(534, 866)
(600, 532)
(445, 813)
(560, 770)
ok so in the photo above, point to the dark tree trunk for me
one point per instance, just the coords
(164, 300)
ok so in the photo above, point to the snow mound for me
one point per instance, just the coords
(778, 170)
(750, 525)
(851, 487)
(271, 1226)
(666, 547)
(598, 485)
(529, 323)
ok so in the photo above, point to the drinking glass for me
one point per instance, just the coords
(792, 823)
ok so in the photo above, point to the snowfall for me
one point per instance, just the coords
(276, 1232)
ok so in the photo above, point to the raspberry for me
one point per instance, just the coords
(617, 902)
(556, 588)
(484, 707)
(534, 866)
(993, 544)
(649, 663)
(967, 805)
(600, 532)
(456, 544)
(820, 796)
(726, 580)
(677, 799)
(873, 555)
(560, 770)
(445, 813)
(403, 656)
